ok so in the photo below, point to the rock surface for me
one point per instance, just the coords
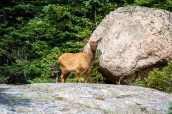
(135, 40)
(72, 98)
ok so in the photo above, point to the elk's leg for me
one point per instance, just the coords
(67, 74)
(77, 76)
(86, 77)
(64, 75)
(62, 78)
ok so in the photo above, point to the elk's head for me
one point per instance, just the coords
(93, 44)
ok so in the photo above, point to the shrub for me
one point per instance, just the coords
(48, 66)
(3, 79)
(161, 80)
(170, 109)
(138, 82)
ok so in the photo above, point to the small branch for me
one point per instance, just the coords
(95, 16)
(119, 82)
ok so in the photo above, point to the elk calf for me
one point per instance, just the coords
(78, 62)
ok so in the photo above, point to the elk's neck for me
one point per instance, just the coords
(91, 55)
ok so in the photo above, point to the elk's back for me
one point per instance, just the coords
(74, 61)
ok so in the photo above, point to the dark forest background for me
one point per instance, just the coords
(34, 33)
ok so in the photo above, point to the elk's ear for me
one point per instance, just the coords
(99, 40)
(87, 40)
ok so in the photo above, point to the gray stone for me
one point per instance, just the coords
(135, 40)
(72, 98)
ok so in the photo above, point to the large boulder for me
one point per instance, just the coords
(135, 40)
(81, 99)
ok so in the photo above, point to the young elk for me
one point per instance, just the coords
(78, 62)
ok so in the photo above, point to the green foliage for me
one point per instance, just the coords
(161, 80)
(36, 46)
(65, 24)
(170, 109)
(48, 65)
(162, 4)
(35, 33)
(138, 82)
(143, 2)
(4, 79)
(98, 8)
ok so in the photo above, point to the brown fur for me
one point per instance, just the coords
(78, 62)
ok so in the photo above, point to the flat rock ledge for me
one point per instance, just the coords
(71, 98)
